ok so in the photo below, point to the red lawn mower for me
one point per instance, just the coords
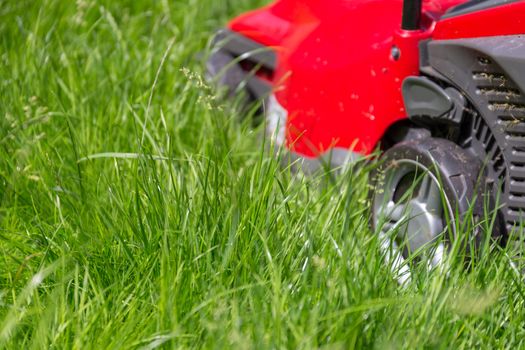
(437, 86)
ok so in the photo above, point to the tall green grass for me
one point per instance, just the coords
(136, 211)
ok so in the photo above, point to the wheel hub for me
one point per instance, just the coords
(411, 211)
(422, 227)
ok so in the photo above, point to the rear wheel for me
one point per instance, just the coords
(422, 190)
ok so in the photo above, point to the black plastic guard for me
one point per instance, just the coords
(225, 64)
(490, 72)
(424, 98)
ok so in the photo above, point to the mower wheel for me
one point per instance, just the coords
(422, 190)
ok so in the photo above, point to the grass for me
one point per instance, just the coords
(137, 212)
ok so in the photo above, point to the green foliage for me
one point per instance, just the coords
(137, 212)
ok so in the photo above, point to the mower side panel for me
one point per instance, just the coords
(473, 6)
(505, 19)
(335, 73)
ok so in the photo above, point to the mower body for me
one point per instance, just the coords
(344, 76)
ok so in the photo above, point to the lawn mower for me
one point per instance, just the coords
(438, 87)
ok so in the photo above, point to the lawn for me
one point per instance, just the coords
(137, 210)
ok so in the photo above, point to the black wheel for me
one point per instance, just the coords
(422, 188)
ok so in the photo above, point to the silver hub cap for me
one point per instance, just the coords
(409, 211)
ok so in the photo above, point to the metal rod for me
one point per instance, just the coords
(411, 15)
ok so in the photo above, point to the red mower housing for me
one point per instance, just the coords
(340, 67)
